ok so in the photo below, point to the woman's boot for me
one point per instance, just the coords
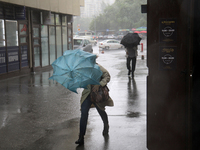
(80, 141)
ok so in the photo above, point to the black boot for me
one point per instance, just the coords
(80, 141)
(129, 72)
(106, 129)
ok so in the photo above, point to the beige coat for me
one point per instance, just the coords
(105, 79)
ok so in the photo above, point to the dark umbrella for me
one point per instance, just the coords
(131, 40)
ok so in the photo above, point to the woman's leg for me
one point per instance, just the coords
(84, 115)
(83, 121)
(104, 117)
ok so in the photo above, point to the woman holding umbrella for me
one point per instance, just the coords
(86, 104)
(84, 73)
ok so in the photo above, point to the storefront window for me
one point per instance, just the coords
(22, 29)
(64, 34)
(58, 40)
(58, 19)
(36, 42)
(52, 43)
(23, 40)
(37, 56)
(70, 37)
(12, 33)
(2, 34)
(44, 45)
(52, 19)
(64, 20)
(35, 32)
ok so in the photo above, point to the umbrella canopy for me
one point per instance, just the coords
(137, 31)
(76, 69)
(143, 31)
(131, 40)
(141, 28)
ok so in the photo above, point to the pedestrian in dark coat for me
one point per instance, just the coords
(131, 53)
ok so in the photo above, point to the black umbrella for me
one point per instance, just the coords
(131, 40)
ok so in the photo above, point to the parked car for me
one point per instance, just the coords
(110, 44)
(91, 39)
(111, 37)
(83, 44)
(105, 36)
(100, 36)
(119, 37)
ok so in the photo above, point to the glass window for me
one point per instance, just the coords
(64, 20)
(45, 17)
(22, 29)
(44, 45)
(23, 40)
(37, 56)
(2, 34)
(35, 32)
(64, 34)
(36, 17)
(52, 19)
(70, 20)
(36, 42)
(69, 32)
(12, 33)
(58, 19)
(78, 41)
(58, 41)
(52, 44)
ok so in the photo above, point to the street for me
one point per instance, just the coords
(40, 114)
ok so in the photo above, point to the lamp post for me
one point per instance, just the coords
(95, 26)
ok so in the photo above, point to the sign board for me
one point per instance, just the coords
(24, 56)
(1, 12)
(20, 13)
(168, 30)
(2, 60)
(13, 58)
(168, 58)
(9, 12)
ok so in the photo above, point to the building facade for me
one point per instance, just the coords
(93, 8)
(34, 33)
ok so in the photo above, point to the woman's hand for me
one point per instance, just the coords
(95, 88)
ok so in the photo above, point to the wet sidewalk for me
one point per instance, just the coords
(37, 114)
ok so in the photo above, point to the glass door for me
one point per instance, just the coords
(23, 44)
(36, 46)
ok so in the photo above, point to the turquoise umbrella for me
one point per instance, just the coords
(76, 69)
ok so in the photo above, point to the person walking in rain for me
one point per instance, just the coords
(131, 53)
(130, 42)
(86, 104)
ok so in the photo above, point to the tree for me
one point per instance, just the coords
(123, 14)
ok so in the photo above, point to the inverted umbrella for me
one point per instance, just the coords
(76, 69)
(131, 40)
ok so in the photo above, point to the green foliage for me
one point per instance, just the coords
(123, 14)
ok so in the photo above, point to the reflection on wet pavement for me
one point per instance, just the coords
(37, 113)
